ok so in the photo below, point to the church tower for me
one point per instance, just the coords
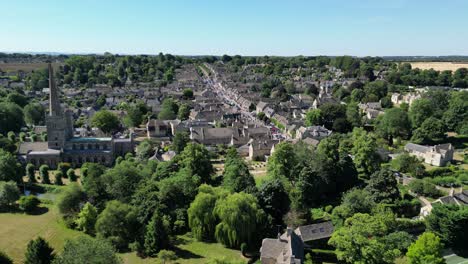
(59, 122)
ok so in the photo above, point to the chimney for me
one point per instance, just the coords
(289, 231)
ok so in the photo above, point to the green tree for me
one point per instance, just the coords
(394, 123)
(184, 112)
(240, 219)
(71, 175)
(157, 235)
(382, 186)
(180, 140)
(169, 109)
(457, 113)
(420, 110)
(408, 164)
(4, 258)
(431, 130)
(105, 120)
(39, 251)
(85, 249)
(87, 219)
(188, 93)
(69, 201)
(353, 115)
(9, 193)
(58, 178)
(331, 112)
(166, 256)
(273, 199)
(28, 203)
(134, 116)
(44, 173)
(314, 118)
(282, 162)
(34, 114)
(118, 223)
(450, 223)
(237, 177)
(201, 217)
(354, 201)
(197, 160)
(30, 173)
(364, 151)
(10, 169)
(11, 117)
(121, 181)
(426, 250)
(145, 150)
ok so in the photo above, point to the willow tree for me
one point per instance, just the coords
(240, 218)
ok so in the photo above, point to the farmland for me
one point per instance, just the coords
(439, 66)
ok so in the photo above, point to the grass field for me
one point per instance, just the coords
(439, 66)
(17, 229)
(454, 259)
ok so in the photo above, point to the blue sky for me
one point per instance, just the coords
(245, 27)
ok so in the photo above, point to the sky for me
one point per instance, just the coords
(243, 27)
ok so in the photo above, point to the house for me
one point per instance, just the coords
(315, 132)
(324, 98)
(460, 199)
(259, 150)
(269, 112)
(437, 155)
(288, 248)
(260, 107)
(408, 98)
(158, 128)
(218, 135)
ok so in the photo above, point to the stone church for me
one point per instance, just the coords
(63, 146)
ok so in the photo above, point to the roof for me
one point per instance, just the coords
(416, 147)
(315, 231)
(89, 139)
(26, 147)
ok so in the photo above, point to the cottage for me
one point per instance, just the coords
(315, 132)
(437, 155)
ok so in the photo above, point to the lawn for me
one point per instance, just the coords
(191, 251)
(17, 229)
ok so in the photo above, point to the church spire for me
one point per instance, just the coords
(54, 102)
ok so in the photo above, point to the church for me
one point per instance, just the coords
(63, 146)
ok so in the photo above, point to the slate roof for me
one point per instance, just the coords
(315, 231)
(26, 147)
(416, 147)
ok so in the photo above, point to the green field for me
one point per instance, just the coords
(17, 229)
(454, 259)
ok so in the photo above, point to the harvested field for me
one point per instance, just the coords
(439, 66)
(25, 67)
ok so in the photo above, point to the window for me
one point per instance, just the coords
(322, 230)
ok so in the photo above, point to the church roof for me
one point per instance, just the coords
(26, 147)
(90, 139)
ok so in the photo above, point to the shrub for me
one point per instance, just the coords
(58, 178)
(44, 172)
(30, 173)
(438, 172)
(447, 181)
(71, 175)
(424, 188)
(28, 203)
(64, 167)
(9, 193)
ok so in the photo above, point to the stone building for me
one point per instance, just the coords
(63, 146)
(437, 155)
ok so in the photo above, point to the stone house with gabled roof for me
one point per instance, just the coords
(437, 155)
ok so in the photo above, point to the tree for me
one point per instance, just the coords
(431, 130)
(184, 112)
(134, 116)
(201, 217)
(273, 199)
(180, 140)
(237, 177)
(282, 162)
(28, 203)
(364, 239)
(364, 151)
(10, 169)
(145, 150)
(44, 173)
(69, 201)
(169, 109)
(188, 93)
(330, 112)
(240, 219)
(87, 219)
(450, 223)
(353, 115)
(420, 110)
(426, 250)
(11, 117)
(408, 164)
(157, 235)
(197, 160)
(354, 201)
(166, 256)
(4, 258)
(58, 178)
(105, 120)
(39, 251)
(30, 173)
(85, 249)
(382, 186)
(394, 123)
(457, 113)
(118, 223)
(71, 175)
(9, 193)
(93, 183)
(313, 118)
(34, 114)
(121, 181)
